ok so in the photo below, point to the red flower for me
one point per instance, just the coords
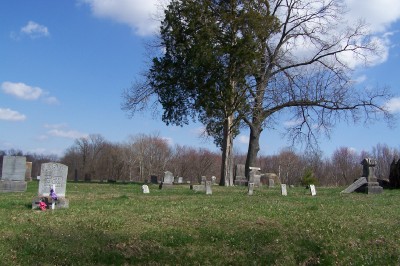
(42, 205)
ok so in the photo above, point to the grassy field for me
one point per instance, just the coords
(115, 224)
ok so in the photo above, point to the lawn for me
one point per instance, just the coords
(116, 224)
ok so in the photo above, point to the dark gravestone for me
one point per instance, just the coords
(394, 175)
(153, 179)
(160, 186)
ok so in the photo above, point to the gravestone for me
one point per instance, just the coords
(369, 172)
(153, 179)
(255, 177)
(313, 191)
(180, 180)
(52, 176)
(358, 183)
(271, 183)
(394, 175)
(203, 180)
(13, 174)
(240, 178)
(251, 189)
(28, 172)
(145, 189)
(198, 188)
(208, 188)
(283, 189)
(213, 180)
(168, 178)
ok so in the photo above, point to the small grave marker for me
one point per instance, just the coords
(283, 189)
(251, 189)
(208, 188)
(145, 189)
(313, 191)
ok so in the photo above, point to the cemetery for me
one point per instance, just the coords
(175, 222)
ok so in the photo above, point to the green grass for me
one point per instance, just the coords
(115, 224)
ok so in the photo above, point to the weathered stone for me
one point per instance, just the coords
(208, 188)
(13, 174)
(271, 183)
(369, 172)
(12, 186)
(283, 190)
(213, 180)
(53, 174)
(394, 175)
(251, 189)
(145, 189)
(199, 188)
(168, 178)
(312, 190)
(154, 179)
(356, 184)
(180, 180)
(203, 180)
(28, 172)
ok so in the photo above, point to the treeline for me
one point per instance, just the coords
(96, 159)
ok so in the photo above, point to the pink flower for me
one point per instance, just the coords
(42, 205)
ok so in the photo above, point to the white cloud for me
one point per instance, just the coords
(56, 126)
(70, 134)
(170, 141)
(393, 105)
(138, 14)
(21, 90)
(35, 30)
(11, 115)
(51, 100)
(243, 139)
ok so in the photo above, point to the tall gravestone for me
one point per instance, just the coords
(168, 178)
(255, 176)
(52, 176)
(208, 188)
(28, 172)
(283, 190)
(240, 178)
(369, 172)
(250, 189)
(13, 174)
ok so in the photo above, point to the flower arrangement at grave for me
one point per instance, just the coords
(51, 200)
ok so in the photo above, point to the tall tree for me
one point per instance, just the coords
(210, 47)
(306, 69)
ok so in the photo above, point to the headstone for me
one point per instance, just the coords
(208, 188)
(153, 179)
(369, 172)
(240, 178)
(168, 178)
(213, 180)
(255, 177)
(267, 176)
(198, 188)
(13, 174)
(251, 189)
(358, 183)
(53, 176)
(145, 189)
(271, 183)
(283, 190)
(28, 172)
(180, 180)
(313, 191)
(203, 180)
(394, 175)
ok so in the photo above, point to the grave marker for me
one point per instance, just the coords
(358, 183)
(313, 191)
(283, 189)
(208, 188)
(168, 178)
(251, 189)
(13, 174)
(145, 189)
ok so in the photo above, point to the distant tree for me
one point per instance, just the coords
(346, 166)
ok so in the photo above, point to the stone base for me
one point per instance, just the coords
(12, 186)
(241, 182)
(60, 203)
(373, 188)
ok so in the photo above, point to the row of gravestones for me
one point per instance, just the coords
(52, 182)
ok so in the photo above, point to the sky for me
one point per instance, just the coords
(64, 65)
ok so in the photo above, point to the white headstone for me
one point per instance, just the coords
(251, 189)
(53, 174)
(283, 189)
(168, 178)
(213, 180)
(145, 189)
(180, 180)
(208, 188)
(313, 191)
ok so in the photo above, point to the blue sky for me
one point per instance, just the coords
(64, 65)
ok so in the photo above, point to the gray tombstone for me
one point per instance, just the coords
(208, 188)
(199, 188)
(255, 177)
(145, 189)
(283, 190)
(369, 172)
(203, 180)
(168, 178)
(313, 191)
(180, 180)
(52, 176)
(28, 172)
(358, 183)
(271, 183)
(251, 189)
(213, 180)
(13, 174)
(240, 178)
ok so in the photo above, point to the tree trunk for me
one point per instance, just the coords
(254, 148)
(227, 154)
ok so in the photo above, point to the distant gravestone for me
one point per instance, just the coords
(198, 188)
(358, 183)
(283, 189)
(250, 189)
(145, 189)
(203, 180)
(180, 180)
(53, 176)
(13, 174)
(255, 177)
(313, 191)
(213, 180)
(153, 179)
(208, 188)
(168, 178)
(369, 172)
(240, 178)
(271, 183)
(28, 172)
